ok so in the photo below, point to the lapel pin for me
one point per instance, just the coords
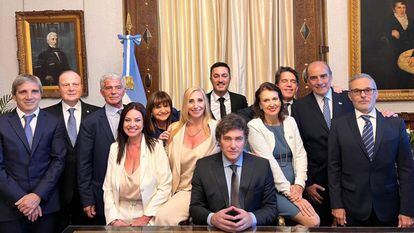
(87, 111)
(340, 103)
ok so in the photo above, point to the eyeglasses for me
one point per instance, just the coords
(367, 91)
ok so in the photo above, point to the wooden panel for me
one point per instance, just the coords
(144, 16)
(312, 13)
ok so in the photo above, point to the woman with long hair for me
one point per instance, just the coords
(191, 138)
(138, 177)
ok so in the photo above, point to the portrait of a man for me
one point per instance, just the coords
(53, 51)
(387, 42)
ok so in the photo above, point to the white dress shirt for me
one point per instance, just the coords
(113, 118)
(77, 114)
(33, 123)
(215, 104)
(319, 100)
(361, 122)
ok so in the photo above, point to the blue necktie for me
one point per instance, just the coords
(368, 136)
(28, 129)
(326, 112)
(72, 132)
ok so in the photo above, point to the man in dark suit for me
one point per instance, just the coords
(32, 157)
(70, 110)
(370, 166)
(233, 190)
(287, 79)
(97, 132)
(221, 100)
(313, 114)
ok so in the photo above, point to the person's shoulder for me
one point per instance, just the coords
(89, 107)
(208, 159)
(236, 95)
(304, 101)
(92, 117)
(256, 159)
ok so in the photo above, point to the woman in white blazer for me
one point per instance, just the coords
(138, 177)
(276, 137)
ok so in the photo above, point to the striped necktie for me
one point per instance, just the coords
(326, 112)
(368, 136)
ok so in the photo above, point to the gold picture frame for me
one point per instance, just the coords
(50, 42)
(355, 43)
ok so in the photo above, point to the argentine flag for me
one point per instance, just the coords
(135, 90)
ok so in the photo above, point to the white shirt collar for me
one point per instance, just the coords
(372, 114)
(227, 162)
(320, 98)
(112, 110)
(20, 113)
(216, 97)
(66, 107)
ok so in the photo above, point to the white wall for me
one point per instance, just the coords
(338, 41)
(103, 22)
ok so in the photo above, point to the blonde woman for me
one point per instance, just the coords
(191, 138)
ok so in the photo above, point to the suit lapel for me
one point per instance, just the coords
(379, 133)
(218, 173)
(246, 176)
(233, 102)
(105, 125)
(18, 128)
(314, 107)
(355, 133)
(59, 108)
(41, 125)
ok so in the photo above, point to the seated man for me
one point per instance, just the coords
(233, 190)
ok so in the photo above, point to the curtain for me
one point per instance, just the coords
(254, 37)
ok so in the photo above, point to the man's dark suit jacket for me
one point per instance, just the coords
(93, 143)
(257, 190)
(237, 102)
(385, 185)
(314, 132)
(49, 64)
(67, 183)
(24, 170)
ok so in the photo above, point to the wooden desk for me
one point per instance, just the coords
(199, 229)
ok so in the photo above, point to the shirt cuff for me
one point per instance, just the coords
(209, 219)
(254, 220)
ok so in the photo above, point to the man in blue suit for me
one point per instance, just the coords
(32, 157)
(370, 166)
(97, 132)
(313, 114)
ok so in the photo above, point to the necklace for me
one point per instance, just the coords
(194, 134)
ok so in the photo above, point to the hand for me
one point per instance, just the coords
(244, 220)
(224, 221)
(35, 214)
(141, 221)
(305, 208)
(119, 223)
(388, 113)
(314, 194)
(339, 216)
(165, 135)
(90, 211)
(395, 34)
(295, 193)
(337, 89)
(28, 203)
(405, 221)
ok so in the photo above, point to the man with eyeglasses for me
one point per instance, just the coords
(71, 111)
(313, 114)
(97, 132)
(370, 166)
(287, 79)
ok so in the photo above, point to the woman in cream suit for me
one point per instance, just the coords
(276, 137)
(192, 137)
(138, 177)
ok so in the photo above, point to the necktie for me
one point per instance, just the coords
(326, 111)
(28, 129)
(368, 136)
(72, 131)
(286, 109)
(222, 107)
(234, 191)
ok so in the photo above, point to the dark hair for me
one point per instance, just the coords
(122, 138)
(256, 106)
(157, 98)
(230, 122)
(285, 69)
(403, 2)
(23, 78)
(219, 64)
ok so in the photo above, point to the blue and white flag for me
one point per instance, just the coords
(135, 90)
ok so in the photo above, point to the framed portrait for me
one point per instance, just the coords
(382, 45)
(50, 42)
